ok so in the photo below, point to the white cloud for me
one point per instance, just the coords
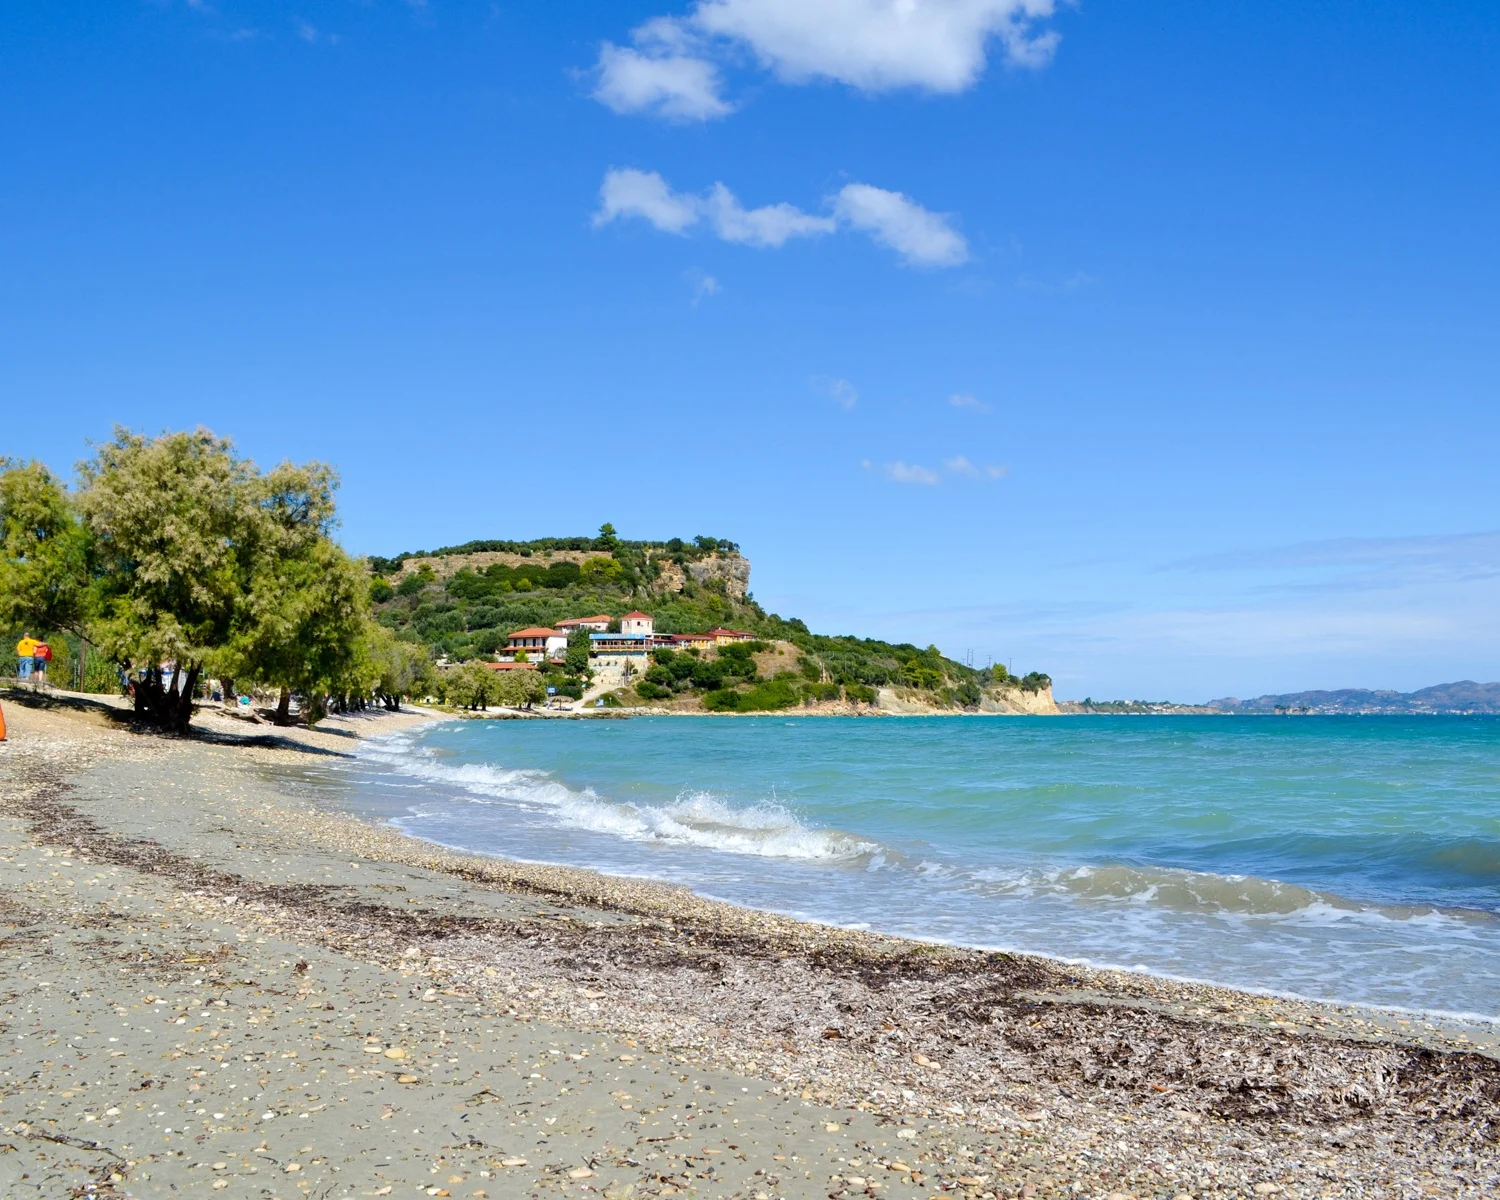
(968, 400)
(840, 391)
(768, 226)
(645, 194)
(922, 238)
(676, 86)
(901, 472)
(876, 45)
(872, 45)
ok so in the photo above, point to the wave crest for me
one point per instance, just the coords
(694, 818)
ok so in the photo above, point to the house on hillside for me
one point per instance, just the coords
(537, 642)
(597, 624)
(688, 641)
(635, 644)
(638, 622)
(723, 637)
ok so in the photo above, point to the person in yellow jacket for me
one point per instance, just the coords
(25, 649)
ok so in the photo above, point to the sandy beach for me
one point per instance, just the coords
(215, 981)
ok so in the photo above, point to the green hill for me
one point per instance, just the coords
(462, 602)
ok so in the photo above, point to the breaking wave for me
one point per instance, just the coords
(694, 818)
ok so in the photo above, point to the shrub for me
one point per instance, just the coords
(380, 591)
(858, 693)
(650, 690)
(967, 694)
(722, 700)
(708, 674)
(768, 697)
(1035, 682)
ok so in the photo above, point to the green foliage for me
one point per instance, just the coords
(651, 689)
(380, 591)
(858, 693)
(1035, 681)
(576, 660)
(722, 700)
(414, 583)
(175, 549)
(968, 694)
(771, 696)
(43, 551)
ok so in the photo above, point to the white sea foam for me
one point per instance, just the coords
(694, 818)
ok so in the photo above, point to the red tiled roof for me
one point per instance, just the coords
(535, 632)
(722, 632)
(511, 666)
(637, 615)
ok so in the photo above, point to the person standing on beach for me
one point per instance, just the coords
(25, 651)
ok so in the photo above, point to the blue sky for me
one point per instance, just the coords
(1155, 345)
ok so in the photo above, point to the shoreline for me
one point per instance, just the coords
(1027, 1071)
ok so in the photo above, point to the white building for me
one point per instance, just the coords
(637, 623)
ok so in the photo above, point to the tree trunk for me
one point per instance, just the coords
(183, 715)
(284, 707)
(169, 709)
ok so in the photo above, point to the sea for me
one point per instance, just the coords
(1350, 859)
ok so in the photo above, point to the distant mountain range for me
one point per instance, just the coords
(1466, 696)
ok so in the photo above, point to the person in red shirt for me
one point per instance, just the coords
(41, 655)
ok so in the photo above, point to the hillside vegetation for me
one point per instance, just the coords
(462, 602)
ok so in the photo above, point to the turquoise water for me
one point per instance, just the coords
(1345, 858)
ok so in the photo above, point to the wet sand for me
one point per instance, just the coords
(214, 982)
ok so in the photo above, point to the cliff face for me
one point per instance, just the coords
(732, 570)
(1015, 702)
(1000, 701)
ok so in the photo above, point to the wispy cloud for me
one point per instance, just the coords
(969, 401)
(840, 391)
(312, 35)
(671, 70)
(957, 467)
(703, 284)
(902, 472)
(962, 466)
(922, 238)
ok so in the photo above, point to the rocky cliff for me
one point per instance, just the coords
(732, 570)
(997, 701)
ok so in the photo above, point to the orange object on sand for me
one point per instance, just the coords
(2, 724)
